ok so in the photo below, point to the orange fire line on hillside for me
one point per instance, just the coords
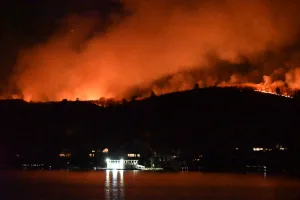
(103, 102)
(273, 93)
(98, 103)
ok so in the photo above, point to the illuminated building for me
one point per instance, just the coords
(92, 153)
(261, 149)
(132, 155)
(122, 164)
(258, 149)
(67, 155)
(280, 147)
(120, 159)
(105, 150)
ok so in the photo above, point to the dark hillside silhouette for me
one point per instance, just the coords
(193, 120)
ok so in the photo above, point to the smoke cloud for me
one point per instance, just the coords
(165, 46)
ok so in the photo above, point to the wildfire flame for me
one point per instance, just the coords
(233, 42)
(274, 93)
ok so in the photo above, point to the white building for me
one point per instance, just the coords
(122, 164)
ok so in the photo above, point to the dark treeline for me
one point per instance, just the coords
(200, 120)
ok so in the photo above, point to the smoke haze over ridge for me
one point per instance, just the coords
(210, 42)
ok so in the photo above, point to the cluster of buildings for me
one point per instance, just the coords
(113, 160)
(263, 149)
(101, 159)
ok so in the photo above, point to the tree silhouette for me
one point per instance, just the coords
(153, 94)
(134, 98)
(196, 86)
(296, 94)
(277, 91)
(124, 101)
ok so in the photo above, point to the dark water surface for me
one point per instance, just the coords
(137, 185)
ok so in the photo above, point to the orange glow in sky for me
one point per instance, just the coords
(160, 38)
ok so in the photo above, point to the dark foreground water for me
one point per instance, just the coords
(137, 185)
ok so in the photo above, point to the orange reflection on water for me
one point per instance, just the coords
(110, 185)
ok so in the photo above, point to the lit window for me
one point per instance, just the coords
(91, 155)
(62, 155)
(105, 150)
(68, 155)
(138, 155)
(131, 155)
(258, 149)
(282, 149)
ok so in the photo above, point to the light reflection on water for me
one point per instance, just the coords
(110, 185)
(114, 185)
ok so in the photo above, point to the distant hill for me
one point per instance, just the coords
(197, 119)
